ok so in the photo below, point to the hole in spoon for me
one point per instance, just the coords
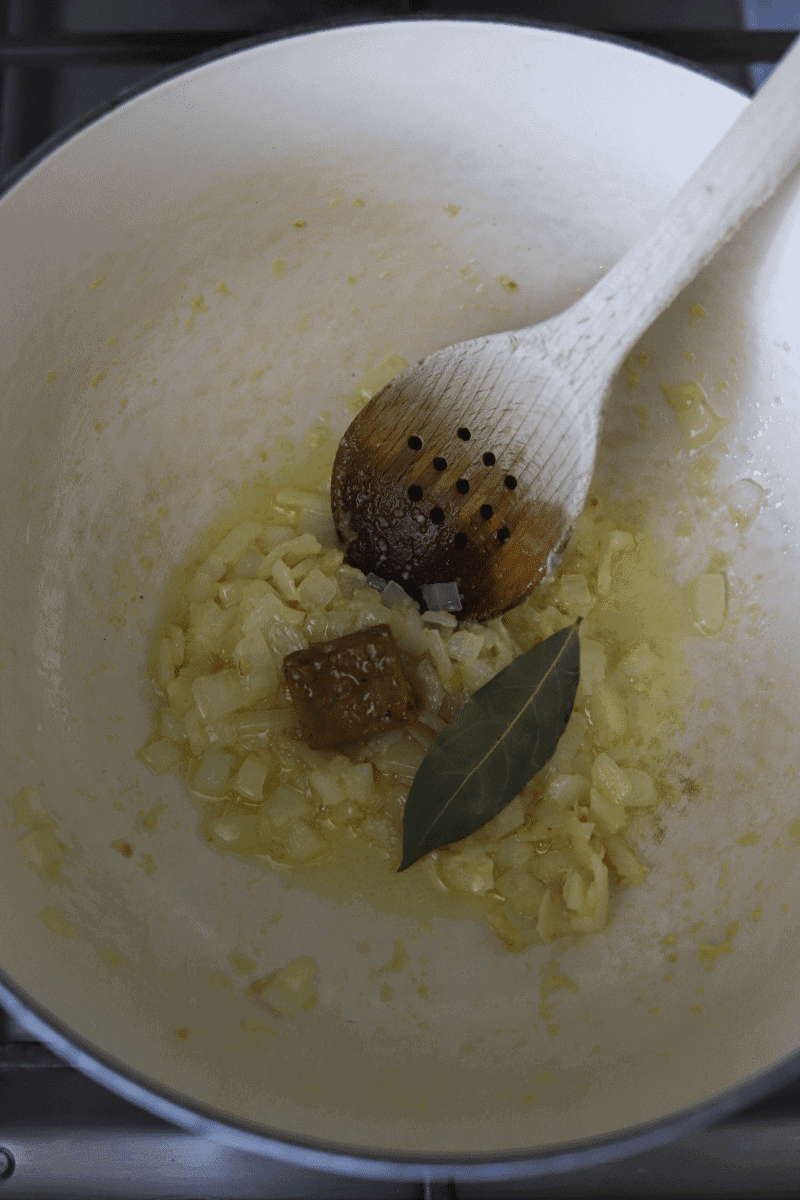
(415, 443)
(440, 464)
(489, 459)
(437, 516)
(464, 434)
(460, 541)
(503, 535)
(487, 512)
(510, 482)
(415, 492)
(462, 486)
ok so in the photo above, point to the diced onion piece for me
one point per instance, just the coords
(551, 866)
(393, 596)
(625, 861)
(178, 639)
(421, 734)
(217, 695)
(618, 541)
(471, 871)
(432, 687)
(283, 580)
(172, 727)
(441, 659)
(521, 890)
(432, 721)
(302, 500)
(381, 833)
(574, 890)
(262, 605)
(508, 820)
(401, 758)
(213, 567)
(408, 630)
(292, 988)
(179, 696)
(271, 720)
(320, 525)
(284, 639)
(475, 674)
(638, 661)
(292, 552)
(273, 535)
(198, 738)
(595, 915)
(208, 623)
(261, 684)
(234, 543)
(465, 646)
(286, 806)
(593, 664)
(606, 711)
(358, 783)
(252, 652)
(612, 781)
(237, 833)
(513, 853)
(608, 814)
(708, 602)
(574, 595)
(248, 564)
(376, 582)
(302, 842)
(211, 777)
(316, 590)
(249, 781)
(328, 789)
(201, 588)
(222, 733)
(567, 790)
(160, 756)
(442, 597)
(444, 620)
(643, 789)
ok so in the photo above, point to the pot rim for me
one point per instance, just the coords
(206, 1121)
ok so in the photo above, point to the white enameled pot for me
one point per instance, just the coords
(130, 414)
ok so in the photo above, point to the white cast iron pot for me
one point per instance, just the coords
(478, 150)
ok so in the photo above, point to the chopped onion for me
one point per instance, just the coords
(160, 756)
(217, 695)
(442, 596)
(393, 596)
(211, 777)
(249, 781)
(235, 543)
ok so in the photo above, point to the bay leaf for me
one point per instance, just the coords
(494, 745)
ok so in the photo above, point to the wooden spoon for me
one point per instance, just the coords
(474, 465)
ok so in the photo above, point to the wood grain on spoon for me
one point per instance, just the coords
(474, 464)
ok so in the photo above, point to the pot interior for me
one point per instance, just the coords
(192, 286)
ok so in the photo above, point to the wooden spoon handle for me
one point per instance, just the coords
(751, 161)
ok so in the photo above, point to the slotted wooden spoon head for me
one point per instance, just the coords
(462, 469)
(473, 465)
